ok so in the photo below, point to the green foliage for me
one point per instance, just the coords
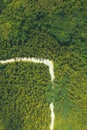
(49, 94)
(22, 96)
(1, 6)
(54, 29)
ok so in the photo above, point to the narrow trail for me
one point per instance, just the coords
(51, 71)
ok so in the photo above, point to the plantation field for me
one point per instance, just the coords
(23, 104)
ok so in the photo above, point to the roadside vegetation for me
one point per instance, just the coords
(55, 30)
(23, 104)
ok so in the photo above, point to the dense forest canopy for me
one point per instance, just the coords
(46, 25)
(23, 104)
(57, 30)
